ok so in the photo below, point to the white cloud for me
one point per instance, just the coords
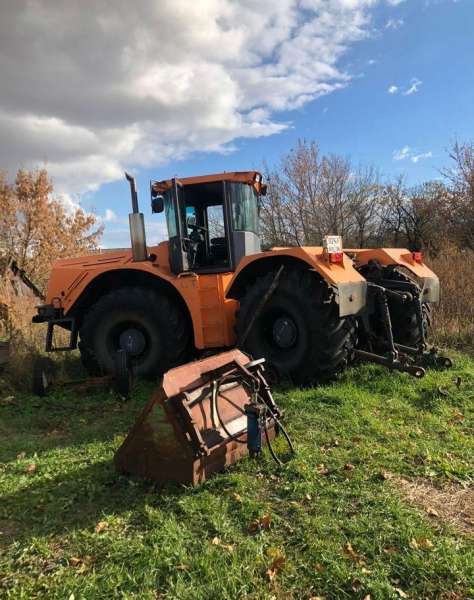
(110, 216)
(409, 153)
(415, 158)
(414, 87)
(402, 154)
(395, 2)
(91, 88)
(393, 89)
(394, 23)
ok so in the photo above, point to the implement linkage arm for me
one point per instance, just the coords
(400, 357)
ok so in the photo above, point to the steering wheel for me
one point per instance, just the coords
(197, 227)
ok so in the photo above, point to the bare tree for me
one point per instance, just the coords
(460, 202)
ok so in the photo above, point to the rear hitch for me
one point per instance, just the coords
(428, 357)
(400, 357)
(396, 362)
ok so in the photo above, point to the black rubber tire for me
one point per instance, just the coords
(405, 326)
(89, 361)
(164, 327)
(324, 342)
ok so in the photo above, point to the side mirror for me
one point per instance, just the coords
(157, 204)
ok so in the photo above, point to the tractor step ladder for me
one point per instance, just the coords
(212, 311)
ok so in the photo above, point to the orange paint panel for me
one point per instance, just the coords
(392, 256)
(315, 257)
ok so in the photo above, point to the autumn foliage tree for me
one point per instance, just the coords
(36, 229)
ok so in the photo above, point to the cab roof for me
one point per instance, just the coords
(250, 177)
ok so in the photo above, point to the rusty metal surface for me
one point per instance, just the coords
(178, 436)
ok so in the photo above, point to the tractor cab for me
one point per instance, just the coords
(212, 220)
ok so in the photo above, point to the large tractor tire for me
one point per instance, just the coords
(405, 326)
(299, 330)
(152, 330)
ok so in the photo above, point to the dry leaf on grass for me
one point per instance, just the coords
(401, 593)
(21, 456)
(260, 523)
(278, 563)
(31, 468)
(101, 525)
(322, 470)
(352, 554)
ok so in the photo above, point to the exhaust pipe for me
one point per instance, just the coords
(137, 225)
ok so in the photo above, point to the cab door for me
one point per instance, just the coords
(177, 231)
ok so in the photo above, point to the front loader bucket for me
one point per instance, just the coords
(195, 423)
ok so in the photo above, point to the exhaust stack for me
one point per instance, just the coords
(137, 225)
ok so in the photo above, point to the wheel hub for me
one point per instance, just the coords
(284, 332)
(132, 341)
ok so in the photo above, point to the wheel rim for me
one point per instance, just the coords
(133, 341)
(284, 332)
(129, 336)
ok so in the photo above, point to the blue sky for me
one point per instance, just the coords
(347, 55)
(431, 42)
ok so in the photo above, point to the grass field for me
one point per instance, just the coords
(335, 522)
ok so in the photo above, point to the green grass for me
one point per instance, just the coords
(338, 531)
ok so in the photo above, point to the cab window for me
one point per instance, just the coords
(244, 207)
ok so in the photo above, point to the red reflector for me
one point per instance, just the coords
(417, 257)
(336, 257)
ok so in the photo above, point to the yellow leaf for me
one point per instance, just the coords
(31, 468)
(401, 593)
(216, 541)
(101, 525)
(278, 562)
(352, 554)
(237, 497)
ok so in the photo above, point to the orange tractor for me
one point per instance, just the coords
(308, 310)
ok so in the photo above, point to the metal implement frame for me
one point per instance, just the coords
(400, 357)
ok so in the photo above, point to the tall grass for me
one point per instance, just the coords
(453, 318)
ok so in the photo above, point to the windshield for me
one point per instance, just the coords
(244, 207)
